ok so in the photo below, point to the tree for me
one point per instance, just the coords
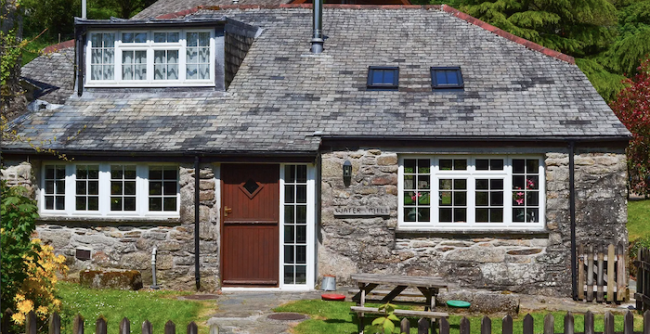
(632, 107)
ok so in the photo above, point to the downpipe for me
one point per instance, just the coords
(154, 252)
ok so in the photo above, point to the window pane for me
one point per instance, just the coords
(290, 173)
(452, 77)
(441, 78)
(96, 40)
(301, 194)
(289, 214)
(192, 39)
(482, 215)
(460, 198)
(532, 215)
(289, 234)
(204, 55)
(204, 72)
(496, 199)
(445, 184)
(192, 72)
(109, 40)
(424, 215)
(117, 172)
(301, 214)
(96, 56)
(81, 187)
(460, 164)
(60, 203)
(496, 184)
(170, 188)
(460, 215)
(460, 184)
(108, 71)
(409, 165)
(80, 203)
(204, 38)
(159, 37)
(446, 164)
(482, 184)
(60, 172)
(173, 37)
(172, 56)
(155, 173)
(445, 215)
(410, 214)
(518, 166)
(170, 204)
(301, 176)
(129, 188)
(532, 166)
(482, 198)
(288, 275)
(93, 188)
(129, 204)
(518, 215)
(496, 215)
(288, 254)
(482, 164)
(301, 274)
(301, 234)
(445, 198)
(424, 166)
(49, 202)
(129, 172)
(532, 198)
(172, 72)
(389, 77)
(49, 187)
(289, 194)
(155, 204)
(116, 204)
(496, 164)
(301, 254)
(159, 72)
(155, 188)
(60, 187)
(423, 182)
(93, 203)
(377, 76)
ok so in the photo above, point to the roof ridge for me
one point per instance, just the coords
(453, 11)
(531, 45)
(59, 46)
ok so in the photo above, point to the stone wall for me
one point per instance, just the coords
(521, 262)
(127, 243)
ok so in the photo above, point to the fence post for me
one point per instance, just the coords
(30, 323)
(646, 322)
(170, 327)
(55, 324)
(506, 325)
(601, 272)
(590, 274)
(147, 328)
(78, 325)
(569, 326)
(549, 324)
(611, 256)
(486, 325)
(529, 324)
(6, 321)
(464, 326)
(125, 326)
(628, 325)
(405, 326)
(609, 324)
(589, 323)
(192, 328)
(100, 326)
(620, 280)
(640, 279)
(214, 329)
(423, 326)
(444, 326)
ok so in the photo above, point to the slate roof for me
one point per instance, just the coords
(162, 7)
(52, 74)
(282, 94)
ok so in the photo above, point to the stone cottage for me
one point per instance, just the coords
(420, 141)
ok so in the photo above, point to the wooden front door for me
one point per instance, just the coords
(250, 202)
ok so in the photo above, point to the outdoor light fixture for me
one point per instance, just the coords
(347, 172)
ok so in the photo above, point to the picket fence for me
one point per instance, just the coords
(602, 274)
(423, 325)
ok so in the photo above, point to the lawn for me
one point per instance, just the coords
(638, 219)
(335, 317)
(137, 306)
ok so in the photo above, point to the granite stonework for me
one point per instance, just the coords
(537, 263)
(127, 243)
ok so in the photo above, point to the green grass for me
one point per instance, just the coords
(335, 317)
(34, 48)
(137, 306)
(638, 219)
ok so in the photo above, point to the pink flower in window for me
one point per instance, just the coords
(530, 184)
(415, 197)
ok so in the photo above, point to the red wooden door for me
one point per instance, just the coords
(250, 202)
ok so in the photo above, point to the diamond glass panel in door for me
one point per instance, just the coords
(165, 65)
(295, 224)
(87, 188)
(54, 187)
(102, 51)
(198, 56)
(525, 190)
(134, 65)
(123, 190)
(452, 200)
(417, 190)
(163, 188)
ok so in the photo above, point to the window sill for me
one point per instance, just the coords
(159, 221)
(447, 233)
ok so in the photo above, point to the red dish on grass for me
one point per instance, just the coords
(332, 296)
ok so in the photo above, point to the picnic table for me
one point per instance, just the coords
(424, 290)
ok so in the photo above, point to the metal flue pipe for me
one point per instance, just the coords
(317, 36)
(83, 9)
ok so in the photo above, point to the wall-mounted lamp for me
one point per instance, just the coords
(347, 172)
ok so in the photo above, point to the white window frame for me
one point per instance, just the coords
(471, 174)
(150, 46)
(311, 228)
(142, 193)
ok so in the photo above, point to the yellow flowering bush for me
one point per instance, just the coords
(38, 291)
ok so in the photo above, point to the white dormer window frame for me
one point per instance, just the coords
(172, 63)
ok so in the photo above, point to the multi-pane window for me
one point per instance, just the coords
(123, 188)
(54, 187)
(525, 184)
(105, 189)
(151, 58)
(163, 187)
(102, 56)
(134, 65)
(198, 55)
(471, 192)
(295, 224)
(417, 190)
(87, 188)
(446, 78)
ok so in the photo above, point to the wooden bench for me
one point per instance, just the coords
(401, 313)
(412, 294)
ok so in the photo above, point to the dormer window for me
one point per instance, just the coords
(151, 58)
(446, 78)
(383, 78)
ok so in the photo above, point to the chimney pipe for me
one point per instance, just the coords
(317, 37)
(83, 9)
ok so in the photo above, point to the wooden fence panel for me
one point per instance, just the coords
(589, 323)
(642, 294)
(609, 324)
(192, 328)
(147, 327)
(529, 324)
(549, 324)
(601, 274)
(464, 326)
(423, 326)
(54, 326)
(6, 321)
(506, 325)
(170, 327)
(30, 323)
(125, 326)
(444, 326)
(486, 325)
(628, 324)
(646, 322)
(569, 326)
(78, 325)
(100, 326)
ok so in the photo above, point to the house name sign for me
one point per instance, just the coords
(361, 211)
